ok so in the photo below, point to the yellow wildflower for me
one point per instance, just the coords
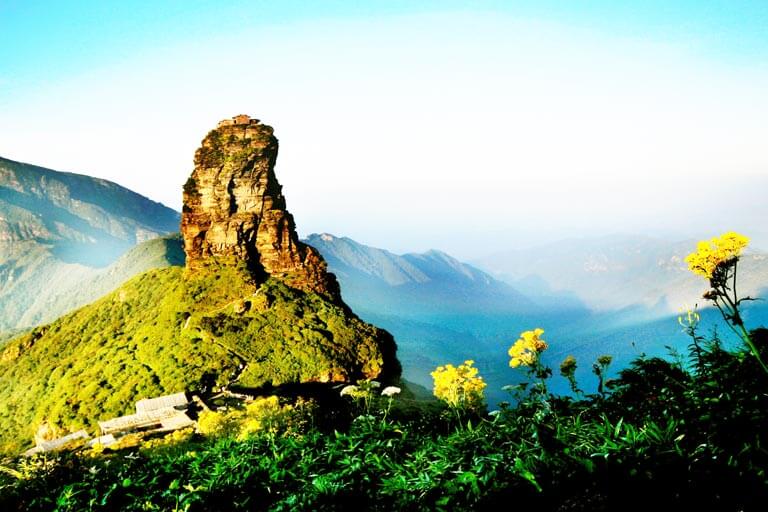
(459, 386)
(713, 253)
(525, 351)
(604, 360)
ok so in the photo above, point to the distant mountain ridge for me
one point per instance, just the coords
(413, 284)
(395, 270)
(618, 271)
(89, 284)
(57, 230)
(51, 206)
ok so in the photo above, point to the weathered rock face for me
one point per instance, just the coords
(234, 210)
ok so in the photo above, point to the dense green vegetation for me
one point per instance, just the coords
(686, 432)
(166, 331)
(664, 434)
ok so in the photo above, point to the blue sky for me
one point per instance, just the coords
(39, 37)
(413, 125)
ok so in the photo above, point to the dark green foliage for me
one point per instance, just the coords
(651, 387)
(662, 438)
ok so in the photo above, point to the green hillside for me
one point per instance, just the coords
(69, 289)
(165, 331)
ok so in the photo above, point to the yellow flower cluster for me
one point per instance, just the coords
(604, 360)
(710, 254)
(264, 415)
(526, 350)
(459, 386)
(261, 415)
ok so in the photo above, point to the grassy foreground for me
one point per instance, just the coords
(691, 432)
(663, 434)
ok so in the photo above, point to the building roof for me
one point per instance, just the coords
(161, 402)
(55, 444)
(138, 420)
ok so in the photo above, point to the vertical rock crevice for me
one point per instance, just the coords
(234, 207)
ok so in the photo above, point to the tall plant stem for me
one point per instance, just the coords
(734, 321)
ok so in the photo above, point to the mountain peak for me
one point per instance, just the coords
(234, 210)
(255, 309)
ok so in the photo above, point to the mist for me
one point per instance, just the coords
(473, 133)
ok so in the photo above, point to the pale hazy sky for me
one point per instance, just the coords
(469, 129)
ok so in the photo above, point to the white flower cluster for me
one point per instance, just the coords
(352, 390)
(390, 391)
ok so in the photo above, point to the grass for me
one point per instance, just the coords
(166, 331)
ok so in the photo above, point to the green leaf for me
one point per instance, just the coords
(526, 474)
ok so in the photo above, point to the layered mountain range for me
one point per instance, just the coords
(254, 307)
(415, 284)
(60, 229)
(615, 272)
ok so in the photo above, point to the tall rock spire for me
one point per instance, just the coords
(234, 210)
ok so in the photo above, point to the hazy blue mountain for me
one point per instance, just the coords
(439, 309)
(414, 285)
(93, 283)
(617, 272)
(634, 286)
(60, 230)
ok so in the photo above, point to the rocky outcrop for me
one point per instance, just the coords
(234, 210)
(254, 309)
